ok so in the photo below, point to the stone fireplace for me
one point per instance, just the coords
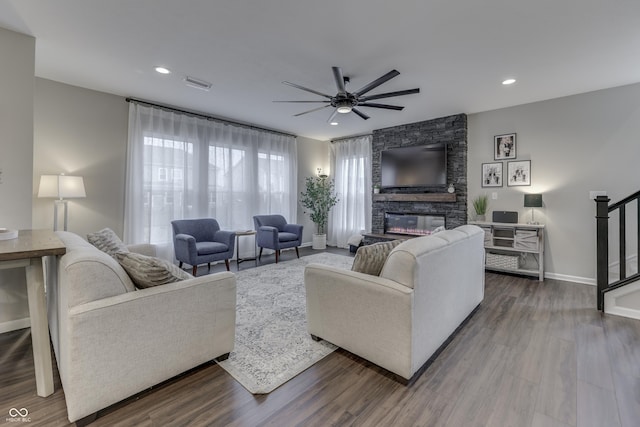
(412, 224)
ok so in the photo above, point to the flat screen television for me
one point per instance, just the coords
(421, 166)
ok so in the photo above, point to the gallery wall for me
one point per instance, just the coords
(576, 144)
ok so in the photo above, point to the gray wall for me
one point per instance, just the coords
(16, 163)
(312, 154)
(81, 132)
(576, 144)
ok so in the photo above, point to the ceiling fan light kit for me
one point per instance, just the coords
(345, 102)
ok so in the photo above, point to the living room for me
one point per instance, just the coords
(577, 142)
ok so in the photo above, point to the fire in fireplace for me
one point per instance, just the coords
(412, 224)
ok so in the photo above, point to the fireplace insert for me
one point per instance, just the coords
(412, 224)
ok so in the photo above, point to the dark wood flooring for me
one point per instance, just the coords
(535, 354)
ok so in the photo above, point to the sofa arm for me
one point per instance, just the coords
(267, 237)
(293, 228)
(143, 249)
(185, 248)
(367, 315)
(129, 342)
(226, 237)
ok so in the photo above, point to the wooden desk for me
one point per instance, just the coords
(28, 251)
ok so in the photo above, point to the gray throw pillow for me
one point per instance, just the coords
(371, 258)
(146, 271)
(107, 241)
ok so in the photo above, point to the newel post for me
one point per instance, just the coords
(602, 247)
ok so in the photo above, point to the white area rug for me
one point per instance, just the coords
(272, 343)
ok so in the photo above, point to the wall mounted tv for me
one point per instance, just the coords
(420, 166)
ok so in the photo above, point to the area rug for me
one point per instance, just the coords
(272, 343)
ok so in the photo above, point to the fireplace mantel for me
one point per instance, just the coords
(416, 197)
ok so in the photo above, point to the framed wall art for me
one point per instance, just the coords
(519, 173)
(492, 174)
(504, 146)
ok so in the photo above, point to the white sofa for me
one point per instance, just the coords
(402, 318)
(112, 341)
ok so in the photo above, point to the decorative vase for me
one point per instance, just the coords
(376, 190)
(480, 218)
(319, 241)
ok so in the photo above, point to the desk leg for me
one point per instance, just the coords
(39, 328)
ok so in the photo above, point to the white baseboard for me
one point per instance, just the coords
(14, 325)
(568, 278)
(624, 312)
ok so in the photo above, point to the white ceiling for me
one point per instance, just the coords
(457, 52)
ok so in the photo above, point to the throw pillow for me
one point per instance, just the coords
(371, 258)
(107, 241)
(146, 271)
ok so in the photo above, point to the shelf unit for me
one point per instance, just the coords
(514, 248)
(415, 197)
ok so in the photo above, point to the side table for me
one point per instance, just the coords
(28, 251)
(255, 253)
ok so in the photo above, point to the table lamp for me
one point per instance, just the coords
(532, 201)
(61, 187)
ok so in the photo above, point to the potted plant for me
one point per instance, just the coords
(318, 199)
(480, 206)
(376, 188)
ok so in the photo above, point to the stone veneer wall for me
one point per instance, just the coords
(453, 131)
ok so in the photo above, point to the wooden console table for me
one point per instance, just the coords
(28, 251)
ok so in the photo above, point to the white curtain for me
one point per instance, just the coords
(351, 170)
(181, 166)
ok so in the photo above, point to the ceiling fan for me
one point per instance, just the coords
(345, 102)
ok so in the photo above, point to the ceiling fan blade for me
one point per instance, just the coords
(385, 106)
(360, 113)
(389, 94)
(311, 111)
(302, 101)
(337, 75)
(307, 89)
(330, 119)
(374, 84)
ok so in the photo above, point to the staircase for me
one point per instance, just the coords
(617, 276)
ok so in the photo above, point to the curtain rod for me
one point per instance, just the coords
(351, 137)
(204, 116)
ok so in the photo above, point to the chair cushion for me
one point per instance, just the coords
(107, 241)
(208, 248)
(371, 258)
(287, 237)
(146, 271)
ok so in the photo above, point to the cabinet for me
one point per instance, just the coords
(514, 248)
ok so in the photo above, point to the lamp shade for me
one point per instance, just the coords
(61, 187)
(533, 200)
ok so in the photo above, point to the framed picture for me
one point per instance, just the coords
(519, 173)
(492, 174)
(504, 146)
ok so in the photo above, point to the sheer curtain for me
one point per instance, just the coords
(351, 168)
(181, 166)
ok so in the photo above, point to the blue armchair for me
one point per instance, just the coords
(273, 232)
(196, 241)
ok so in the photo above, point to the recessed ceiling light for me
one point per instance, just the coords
(334, 123)
(509, 82)
(163, 70)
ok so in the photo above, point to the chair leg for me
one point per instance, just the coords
(260, 255)
(209, 266)
(180, 264)
(277, 255)
(226, 262)
(194, 270)
(297, 253)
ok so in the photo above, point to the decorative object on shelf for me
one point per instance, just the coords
(532, 201)
(504, 146)
(318, 199)
(492, 174)
(519, 173)
(480, 204)
(451, 189)
(61, 187)
(6, 234)
(376, 189)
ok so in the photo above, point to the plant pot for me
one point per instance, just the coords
(319, 241)
(376, 191)
(480, 218)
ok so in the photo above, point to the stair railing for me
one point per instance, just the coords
(603, 209)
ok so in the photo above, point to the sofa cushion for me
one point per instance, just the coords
(371, 258)
(146, 271)
(107, 241)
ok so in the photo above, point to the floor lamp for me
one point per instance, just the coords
(61, 187)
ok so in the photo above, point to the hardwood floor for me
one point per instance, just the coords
(535, 354)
